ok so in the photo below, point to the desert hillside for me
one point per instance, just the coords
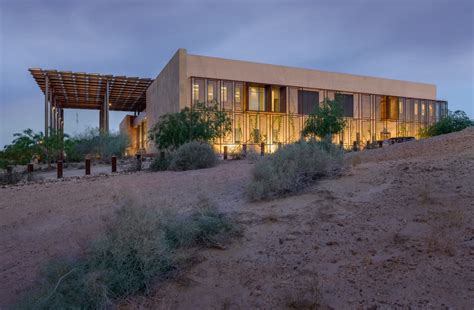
(396, 230)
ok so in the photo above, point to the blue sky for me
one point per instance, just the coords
(424, 41)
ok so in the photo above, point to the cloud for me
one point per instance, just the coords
(427, 41)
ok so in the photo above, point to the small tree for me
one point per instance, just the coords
(454, 121)
(201, 123)
(325, 121)
(28, 144)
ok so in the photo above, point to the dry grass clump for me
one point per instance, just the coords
(140, 246)
(292, 168)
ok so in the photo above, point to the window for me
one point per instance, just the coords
(198, 91)
(238, 96)
(308, 101)
(211, 91)
(293, 100)
(400, 107)
(366, 110)
(415, 108)
(276, 99)
(423, 108)
(256, 98)
(226, 95)
(347, 104)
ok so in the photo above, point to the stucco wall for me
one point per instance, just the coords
(164, 94)
(218, 68)
(126, 127)
(167, 92)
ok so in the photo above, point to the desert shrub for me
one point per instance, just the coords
(199, 228)
(454, 121)
(10, 176)
(160, 163)
(193, 155)
(140, 246)
(132, 253)
(93, 143)
(292, 168)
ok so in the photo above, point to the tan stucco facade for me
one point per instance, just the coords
(171, 91)
(234, 70)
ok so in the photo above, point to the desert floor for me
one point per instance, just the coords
(396, 230)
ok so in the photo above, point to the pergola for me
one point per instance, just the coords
(78, 90)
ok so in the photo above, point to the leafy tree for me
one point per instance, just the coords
(201, 123)
(454, 121)
(325, 120)
(28, 145)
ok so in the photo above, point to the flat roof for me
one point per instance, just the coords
(238, 70)
(79, 90)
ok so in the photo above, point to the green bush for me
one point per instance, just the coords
(193, 155)
(28, 145)
(454, 121)
(140, 246)
(161, 163)
(201, 123)
(292, 168)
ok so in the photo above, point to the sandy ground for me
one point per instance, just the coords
(397, 231)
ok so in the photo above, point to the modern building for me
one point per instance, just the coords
(267, 103)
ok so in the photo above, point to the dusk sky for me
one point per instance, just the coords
(422, 41)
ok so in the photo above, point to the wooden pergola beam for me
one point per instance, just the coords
(73, 90)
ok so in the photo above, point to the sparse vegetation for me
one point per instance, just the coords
(93, 143)
(140, 246)
(193, 155)
(454, 121)
(292, 168)
(28, 146)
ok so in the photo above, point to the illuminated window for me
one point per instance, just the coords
(238, 96)
(276, 99)
(415, 108)
(198, 91)
(423, 109)
(195, 92)
(226, 95)
(256, 98)
(400, 106)
(210, 92)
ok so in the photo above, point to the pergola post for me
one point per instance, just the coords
(55, 115)
(101, 119)
(107, 102)
(46, 106)
(61, 122)
(50, 111)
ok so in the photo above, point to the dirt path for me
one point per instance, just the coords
(398, 231)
